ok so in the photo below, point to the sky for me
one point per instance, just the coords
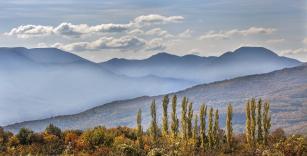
(135, 29)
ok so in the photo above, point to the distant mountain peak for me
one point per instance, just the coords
(250, 52)
(163, 55)
(42, 55)
(255, 50)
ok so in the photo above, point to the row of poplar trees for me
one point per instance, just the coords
(209, 138)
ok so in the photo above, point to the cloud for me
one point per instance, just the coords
(156, 19)
(76, 30)
(228, 34)
(300, 53)
(214, 35)
(156, 44)
(158, 32)
(275, 41)
(26, 31)
(305, 41)
(122, 43)
(136, 32)
(186, 34)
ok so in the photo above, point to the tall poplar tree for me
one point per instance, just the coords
(154, 125)
(216, 128)
(202, 116)
(248, 123)
(139, 129)
(210, 128)
(266, 122)
(229, 130)
(195, 130)
(259, 121)
(165, 116)
(175, 121)
(184, 117)
(189, 120)
(253, 121)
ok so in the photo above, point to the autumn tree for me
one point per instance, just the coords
(139, 129)
(259, 121)
(248, 123)
(54, 130)
(165, 102)
(175, 121)
(153, 125)
(24, 136)
(253, 121)
(216, 128)
(229, 130)
(202, 116)
(184, 117)
(266, 122)
(210, 128)
(195, 130)
(189, 120)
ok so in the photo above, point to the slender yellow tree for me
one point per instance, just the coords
(195, 130)
(210, 128)
(216, 128)
(266, 122)
(248, 123)
(229, 130)
(165, 102)
(175, 121)
(139, 129)
(153, 125)
(184, 117)
(253, 121)
(189, 120)
(202, 116)
(259, 121)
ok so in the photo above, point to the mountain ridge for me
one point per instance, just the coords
(216, 94)
(243, 61)
(55, 82)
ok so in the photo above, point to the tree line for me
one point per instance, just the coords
(206, 136)
(182, 132)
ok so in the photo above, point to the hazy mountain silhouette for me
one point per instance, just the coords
(286, 89)
(243, 61)
(43, 82)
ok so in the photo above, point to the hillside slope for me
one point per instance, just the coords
(286, 89)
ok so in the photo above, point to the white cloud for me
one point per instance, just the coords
(122, 43)
(158, 32)
(186, 34)
(136, 32)
(305, 41)
(72, 30)
(214, 35)
(230, 33)
(300, 53)
(156, 19)
(155, 44)
(26, 31)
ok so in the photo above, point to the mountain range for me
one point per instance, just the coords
(39, 83)
(243, 61)
(286, 90)
(44, 82)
